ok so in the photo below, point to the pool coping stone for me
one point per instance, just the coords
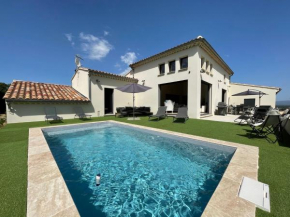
(48, 195)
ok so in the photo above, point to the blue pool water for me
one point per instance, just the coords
(143, 173)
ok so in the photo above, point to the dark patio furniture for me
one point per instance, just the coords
(133, 88)
(181, 114)
(248, 114)
(161, 113)
(128, 111)
(271, 125)
(222, 108)
(50, 113)
(80, 113)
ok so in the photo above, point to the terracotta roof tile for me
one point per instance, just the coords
(33, 91)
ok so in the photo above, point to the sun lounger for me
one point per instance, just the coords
(80, 113)
(248, 114)
(50, 113)
(271, 125)
(181, 114)
(161, 113)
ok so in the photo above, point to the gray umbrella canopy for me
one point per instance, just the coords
(133, 88)
(251, 92)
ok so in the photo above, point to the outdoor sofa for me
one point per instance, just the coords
(128, 111)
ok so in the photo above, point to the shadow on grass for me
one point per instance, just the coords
(179, 121)
(55, 122)
(85, 119)
(285, 140)
(156, 119)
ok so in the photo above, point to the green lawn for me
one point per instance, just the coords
(274, 161)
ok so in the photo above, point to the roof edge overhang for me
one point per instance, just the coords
(52, 101)
(259, 86)
(201, 42)
(112, 76)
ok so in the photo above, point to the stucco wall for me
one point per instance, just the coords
(80, 82)
(218, 78)
(97, 94)
(269, 99)
(150, 73)
(29, 112)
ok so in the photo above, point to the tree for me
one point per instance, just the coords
(3, 88)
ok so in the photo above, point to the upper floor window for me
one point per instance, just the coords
(202, 63)
(172, 66)
(210, 68)
(207, 66)
(184, 63)
(162, 69)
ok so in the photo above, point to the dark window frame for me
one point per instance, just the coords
(161, 65)
(180, 61)
(169, 65)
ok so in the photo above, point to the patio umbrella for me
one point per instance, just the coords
(251, 92)
(133, 88)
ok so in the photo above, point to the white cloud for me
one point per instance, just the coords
(126, 71)
(96, 48)
(69, 37)
(118, 66)
(106, 33)
(129, 58)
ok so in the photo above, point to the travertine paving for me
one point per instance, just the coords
(47, 193)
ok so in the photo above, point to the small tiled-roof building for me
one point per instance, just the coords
(26, 101)
(26, 91)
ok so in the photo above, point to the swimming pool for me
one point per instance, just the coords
(143, 172)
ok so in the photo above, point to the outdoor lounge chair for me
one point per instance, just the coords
(271, 125)
(161, 113)
(50, 113)
(254, 115)
(248, 114)
(80, 113)
(181, 114)
(286, 124)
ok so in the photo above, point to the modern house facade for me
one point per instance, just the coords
(191, 74)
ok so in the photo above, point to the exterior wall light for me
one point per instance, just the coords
(202, 71)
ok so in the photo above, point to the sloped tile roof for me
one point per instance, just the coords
(34, 91)
(113, 76)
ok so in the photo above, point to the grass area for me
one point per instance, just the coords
(274, 161)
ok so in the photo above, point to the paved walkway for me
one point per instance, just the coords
(227, 118)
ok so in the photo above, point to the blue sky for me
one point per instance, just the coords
(40, 38)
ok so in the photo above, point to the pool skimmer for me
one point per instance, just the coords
(255, 192)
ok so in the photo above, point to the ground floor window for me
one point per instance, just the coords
(205, 97)
(177, 92)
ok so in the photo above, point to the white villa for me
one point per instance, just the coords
(191, 74)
